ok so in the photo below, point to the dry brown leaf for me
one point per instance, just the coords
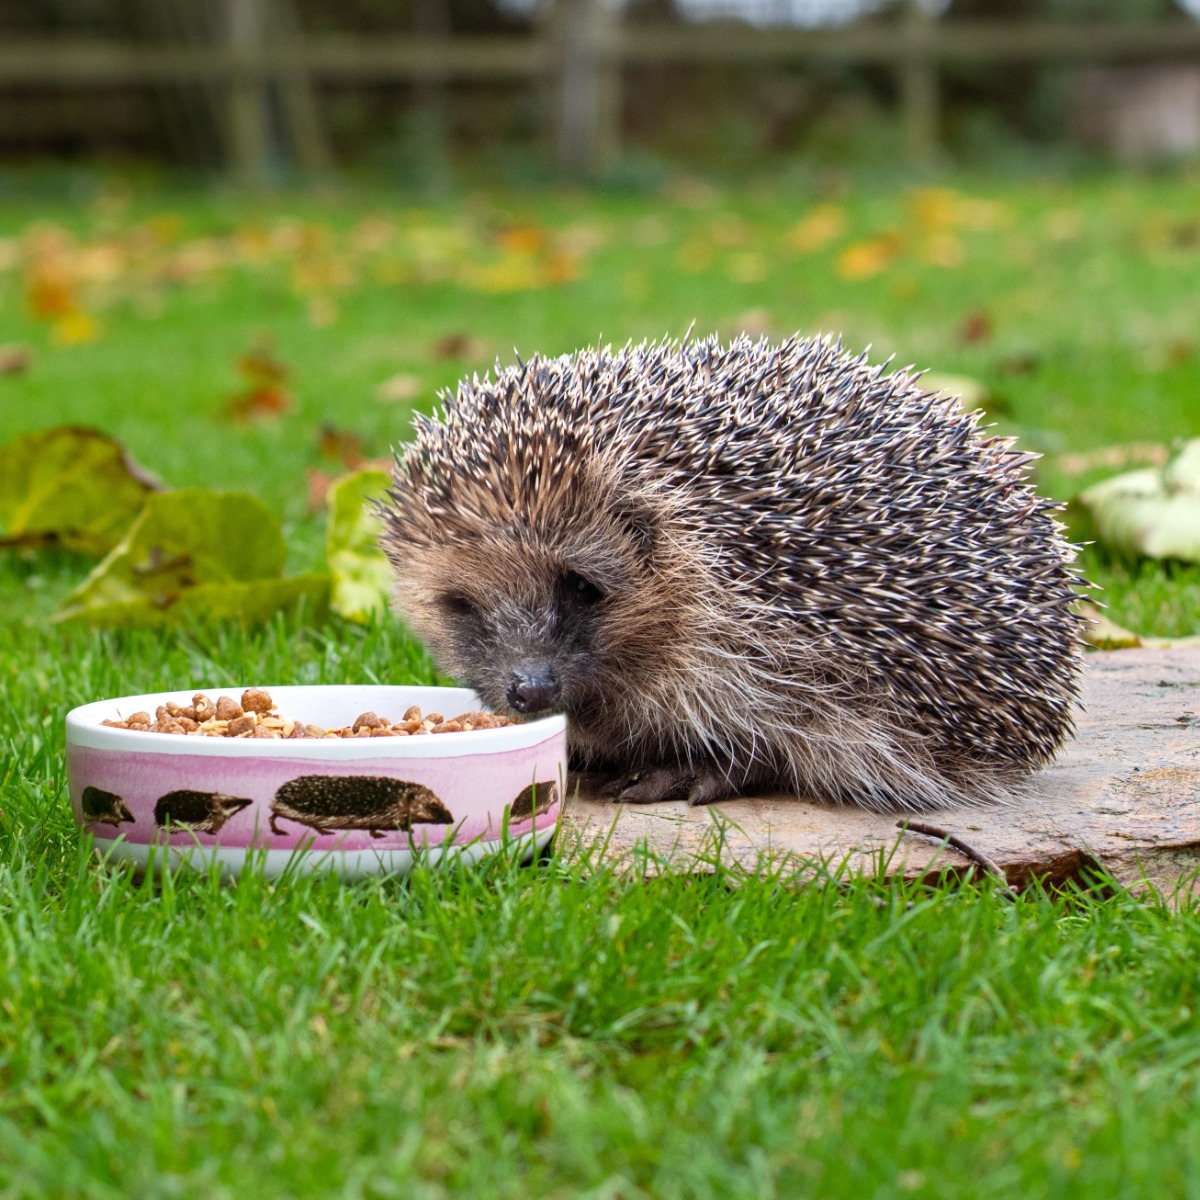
(341, 446)
(15, 360)
(975, 327)
(458, 344)
(264, 394)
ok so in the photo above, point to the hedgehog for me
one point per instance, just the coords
(535, 799)
(104, 808)
(740, 568)
(199, 812)
(374, 802)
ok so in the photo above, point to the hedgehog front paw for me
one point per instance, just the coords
(656, 784)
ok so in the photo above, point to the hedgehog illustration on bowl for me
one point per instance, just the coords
(104, 808)
(197, 812)
(376, 803)
(536, 798)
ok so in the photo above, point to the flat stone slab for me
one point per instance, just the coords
(1125, 794)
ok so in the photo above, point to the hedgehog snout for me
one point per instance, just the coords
(534, 689)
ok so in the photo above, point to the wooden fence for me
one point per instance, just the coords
(579, 53)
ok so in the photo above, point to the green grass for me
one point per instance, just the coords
(565, 1030)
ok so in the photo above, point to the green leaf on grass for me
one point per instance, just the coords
(361, 574)
(73, 486)
(193, 554)
(1151, 513)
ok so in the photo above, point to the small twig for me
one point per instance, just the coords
(981, 860)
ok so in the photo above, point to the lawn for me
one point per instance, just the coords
(565, 1030)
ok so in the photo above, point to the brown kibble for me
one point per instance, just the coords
(256, 717)
(257, 700)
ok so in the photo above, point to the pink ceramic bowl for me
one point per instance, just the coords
(354, 805)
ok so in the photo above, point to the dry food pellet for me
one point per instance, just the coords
(255, 717)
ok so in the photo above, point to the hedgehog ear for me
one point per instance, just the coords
(639, 523)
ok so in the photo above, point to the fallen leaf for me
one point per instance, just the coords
(318, 488)
(74, 328)
(821, 226)
(861, 260)
(189, 554)
(1152, 513)
(341, 445)
(458, 345)
(522, 239)
(970, 393)
(361, 575)
(249, 603)
(264, 394)
(50, 297)
(398, 389)
(943, 250)
(1153, 454)
(754, 323)
(1101, 633)
(15, 360)
(70, 485)
(975, 327)
(1020, 362)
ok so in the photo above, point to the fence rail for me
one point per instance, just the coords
(583, 50)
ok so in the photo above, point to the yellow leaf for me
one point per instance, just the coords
(822, 224)
(943, 250)
(73, 328)
(861, 260)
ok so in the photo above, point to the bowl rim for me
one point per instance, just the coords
(83, 727)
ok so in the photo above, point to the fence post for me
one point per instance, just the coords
(298, 96)
(589, 86)
(249, 116)
(918, 84)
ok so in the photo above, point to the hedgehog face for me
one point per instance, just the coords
(541, 623)
(528, 626)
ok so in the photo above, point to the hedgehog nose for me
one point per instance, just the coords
(533, 691)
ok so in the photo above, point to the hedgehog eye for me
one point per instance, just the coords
(582, 589)
(458, 604)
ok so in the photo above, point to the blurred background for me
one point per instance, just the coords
(268, 91)
(248, 239)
